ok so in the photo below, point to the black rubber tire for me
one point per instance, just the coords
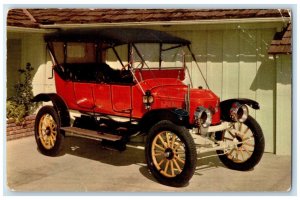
(259, 146)
(189, 167)
(58, 144)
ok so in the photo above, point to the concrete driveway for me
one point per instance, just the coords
(84, 166)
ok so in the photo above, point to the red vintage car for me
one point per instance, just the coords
(142, 96)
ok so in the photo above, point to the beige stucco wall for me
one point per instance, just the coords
(234, 60)
(33, 50)
(283, 105)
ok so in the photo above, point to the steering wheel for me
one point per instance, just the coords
(128, 65)
(124, 73)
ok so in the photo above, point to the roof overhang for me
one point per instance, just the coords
(183, 22)
(27, 30)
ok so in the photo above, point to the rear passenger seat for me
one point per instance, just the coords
(93, 72)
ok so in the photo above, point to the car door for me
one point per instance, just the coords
(84, 96)
(113, 99)
(121, 98)
(83, 83)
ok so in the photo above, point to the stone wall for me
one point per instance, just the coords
(15, 131)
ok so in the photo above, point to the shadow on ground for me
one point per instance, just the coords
(91, 149)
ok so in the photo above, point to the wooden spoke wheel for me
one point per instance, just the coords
(247, 142)
(168, 153)
(47, 131)
(171, 153)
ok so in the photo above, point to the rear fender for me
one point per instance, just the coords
(58, 104)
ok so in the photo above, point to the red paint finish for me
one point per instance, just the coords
(160, 73)
(121, 100)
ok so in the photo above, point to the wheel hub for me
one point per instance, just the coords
(48, 131)
(237, 141)
(169, 154)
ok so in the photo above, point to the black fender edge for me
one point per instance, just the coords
(59, 105)
(175, 115)
(226, 105)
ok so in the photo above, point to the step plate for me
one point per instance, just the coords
(91, 134)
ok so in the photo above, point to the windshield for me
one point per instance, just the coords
(154, 56)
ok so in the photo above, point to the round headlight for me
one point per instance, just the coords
(239, 112)
(203, 117)
(150, 99)
(145, 99)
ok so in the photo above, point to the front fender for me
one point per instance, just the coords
(226, 105)
(177, 116)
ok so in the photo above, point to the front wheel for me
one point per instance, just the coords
(47, 131)
(247, 145)
(171, 154)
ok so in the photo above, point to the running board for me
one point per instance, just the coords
(85, 133)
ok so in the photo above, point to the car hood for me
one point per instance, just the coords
(165, 88)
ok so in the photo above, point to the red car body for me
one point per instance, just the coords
(119, 100)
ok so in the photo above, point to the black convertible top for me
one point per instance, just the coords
(115, 36)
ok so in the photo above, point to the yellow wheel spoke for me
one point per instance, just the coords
(161, 162)
(168, 139)
(229, 155)
(53, 126)
(159, 154)
(241, 152)
(181, 152)
(51, 142)
(172, 168)
(246, 139)
(236, 154)
(162, 141)
(177, 165)
(179, 159)
(160, 147)
(177, 146)
(251, 145)
(245, 132)
(246, 150)
(47, 120)
(53, 137)
(45, 137)
(167, 166)
(173, 141)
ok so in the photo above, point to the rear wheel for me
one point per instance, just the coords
(47, 131)
(171, 153)
(247, 143)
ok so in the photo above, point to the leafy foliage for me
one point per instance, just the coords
(20, 105)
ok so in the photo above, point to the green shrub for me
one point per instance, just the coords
(20, 105)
